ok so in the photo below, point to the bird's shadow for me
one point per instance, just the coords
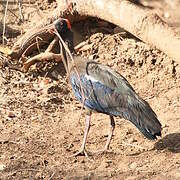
(170, 142)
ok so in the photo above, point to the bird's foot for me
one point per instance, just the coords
(81, 152)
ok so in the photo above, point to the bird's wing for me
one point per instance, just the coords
(108, 77)
(108, 92)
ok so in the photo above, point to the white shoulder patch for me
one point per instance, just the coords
(90, 78)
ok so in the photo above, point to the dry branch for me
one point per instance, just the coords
(31, 40)
(46, 56)
(4, 23)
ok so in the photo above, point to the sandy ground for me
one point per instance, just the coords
(42, 125)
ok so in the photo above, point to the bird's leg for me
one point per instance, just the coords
(82, 150)
(111, 130)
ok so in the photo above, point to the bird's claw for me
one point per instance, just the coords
(81, 152)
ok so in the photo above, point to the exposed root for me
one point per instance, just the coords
(32, 40)
(46, 56)
(52, 45)
(141, 22)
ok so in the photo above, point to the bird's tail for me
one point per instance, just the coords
(144, 118)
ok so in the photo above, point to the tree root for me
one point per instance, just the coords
(139, 21)
(46, 56)
(32, 40)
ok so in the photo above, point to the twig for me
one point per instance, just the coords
(4, 23)
(37, 38)
(70, 55)
(149, 97)
(128, 144)
(177, 146)
(40, 32)
(31, 169)
(20, 10)
(52, 44)
(52, 175)
(24, 53)
(65, 46)
(46, 56)
(10, 11)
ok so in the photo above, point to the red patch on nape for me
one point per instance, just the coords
(68, 24)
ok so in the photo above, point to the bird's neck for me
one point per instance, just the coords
(68, 39)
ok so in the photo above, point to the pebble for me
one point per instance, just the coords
(166, 15)
(103, 165)
(11, 115)
(133, 165)
(132, 140)
(2, 167)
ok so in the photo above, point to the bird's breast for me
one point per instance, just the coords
(94, 94)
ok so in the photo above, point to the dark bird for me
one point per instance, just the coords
(103, 90)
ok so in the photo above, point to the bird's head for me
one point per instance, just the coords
(62, 26)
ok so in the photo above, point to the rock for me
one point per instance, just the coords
(55, 75)
(166, 15)
(2, 167)
(86, 47)
(11, 115)
(80, 45)
(132, 140)
(133, 165)
(103, 165)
